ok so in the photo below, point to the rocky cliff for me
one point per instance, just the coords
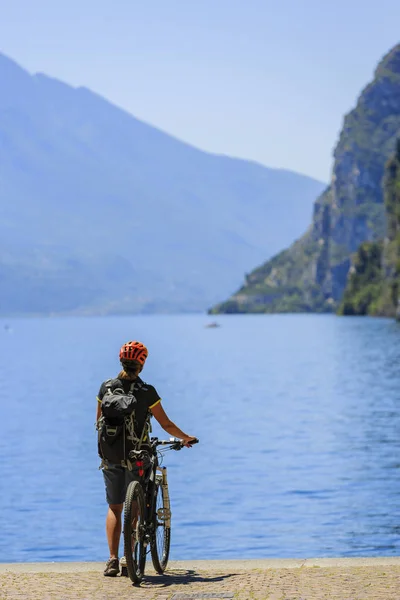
(374, 279)
(311, 275)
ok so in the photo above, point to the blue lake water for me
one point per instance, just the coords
(298, 417)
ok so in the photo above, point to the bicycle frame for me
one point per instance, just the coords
(149, 489)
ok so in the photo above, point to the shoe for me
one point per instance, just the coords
(112, 567)
(124, 568)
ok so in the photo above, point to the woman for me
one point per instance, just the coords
(116, 477)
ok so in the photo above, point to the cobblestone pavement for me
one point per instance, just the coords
(368, 582)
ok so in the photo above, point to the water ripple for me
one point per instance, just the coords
(299, 452)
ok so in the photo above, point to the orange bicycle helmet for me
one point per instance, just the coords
(134, 351)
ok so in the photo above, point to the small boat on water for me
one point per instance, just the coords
(213, 325)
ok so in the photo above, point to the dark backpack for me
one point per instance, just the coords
(117, 434)
(116, 404)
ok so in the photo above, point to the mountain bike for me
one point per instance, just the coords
(147, 511)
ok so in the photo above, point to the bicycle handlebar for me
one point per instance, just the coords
(175, 443)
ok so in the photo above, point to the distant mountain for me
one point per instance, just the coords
(101, 213)
(311, 275)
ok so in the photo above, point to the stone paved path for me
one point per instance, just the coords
(270, 580)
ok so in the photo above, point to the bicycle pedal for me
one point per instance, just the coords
(163, 514)
(124, 572)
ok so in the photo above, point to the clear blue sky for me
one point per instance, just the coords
(268, 80)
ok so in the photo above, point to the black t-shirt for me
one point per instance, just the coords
(145, 394)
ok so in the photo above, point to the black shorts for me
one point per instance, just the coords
(117, 479)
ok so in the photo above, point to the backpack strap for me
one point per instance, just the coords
(139, 383)
(108, 385)
(129, 423)
(145, 430)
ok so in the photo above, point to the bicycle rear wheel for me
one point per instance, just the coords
(134, 531)
(161, 536)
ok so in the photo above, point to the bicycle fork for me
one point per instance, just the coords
(164, 513)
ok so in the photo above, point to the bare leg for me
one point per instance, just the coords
(113, 528)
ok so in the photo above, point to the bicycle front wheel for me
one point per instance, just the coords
(161, 537)
(134, 531)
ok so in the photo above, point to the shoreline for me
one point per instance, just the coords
(214, 565)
